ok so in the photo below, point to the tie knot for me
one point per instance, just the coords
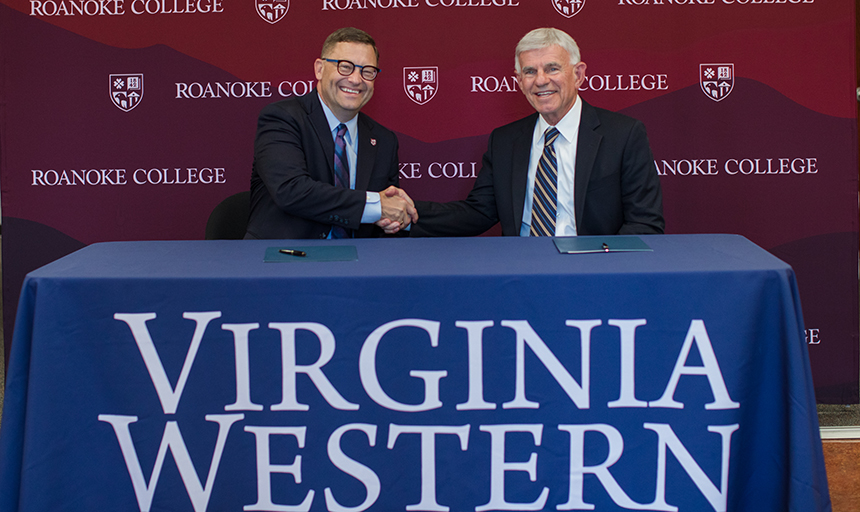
(341, 130)
(550, 135)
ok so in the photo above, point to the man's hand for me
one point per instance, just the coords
(398, 210)
(393, 191)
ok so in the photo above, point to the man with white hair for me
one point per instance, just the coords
(568, 169)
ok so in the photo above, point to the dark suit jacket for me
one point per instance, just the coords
(292, 183)
(616, 187)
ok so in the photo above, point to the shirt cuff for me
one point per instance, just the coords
(372, 208)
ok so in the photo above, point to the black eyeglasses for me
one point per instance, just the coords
(345, 68)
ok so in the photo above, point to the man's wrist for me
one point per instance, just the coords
(372, 208)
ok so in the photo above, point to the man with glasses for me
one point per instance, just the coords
(320, 164)
(568, 169)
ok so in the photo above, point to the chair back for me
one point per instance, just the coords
(229, 220)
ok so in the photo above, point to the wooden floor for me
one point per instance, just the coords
(842, 458)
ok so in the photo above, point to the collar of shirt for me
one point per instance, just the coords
(568, 127)
(333, 122)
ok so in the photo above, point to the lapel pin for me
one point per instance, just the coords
(372, 142)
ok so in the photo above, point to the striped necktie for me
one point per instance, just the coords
(546, 194)
(341, 173)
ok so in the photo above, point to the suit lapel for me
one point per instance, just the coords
(319, 123)
(586, 153)
(367, 147)
(522, 148)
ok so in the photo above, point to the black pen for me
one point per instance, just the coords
(605, 248)
(293, 252)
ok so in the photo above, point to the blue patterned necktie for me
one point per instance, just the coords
(341, 172)
(545, 197)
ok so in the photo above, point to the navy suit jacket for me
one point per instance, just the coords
(616, 186)
(292, 182)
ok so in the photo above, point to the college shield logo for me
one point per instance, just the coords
(126, 91)
(273, 10)
(421, 83)
(717, 80)
(568, 8)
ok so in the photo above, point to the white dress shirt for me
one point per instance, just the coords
(565, 150)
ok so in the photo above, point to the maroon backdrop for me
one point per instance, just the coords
(132, 119)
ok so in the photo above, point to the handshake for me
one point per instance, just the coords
(398, 210)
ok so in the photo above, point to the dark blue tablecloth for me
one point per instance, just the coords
(434, 374)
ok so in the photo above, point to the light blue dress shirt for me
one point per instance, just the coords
(372, 206)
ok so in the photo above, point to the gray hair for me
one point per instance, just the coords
(540, 38)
